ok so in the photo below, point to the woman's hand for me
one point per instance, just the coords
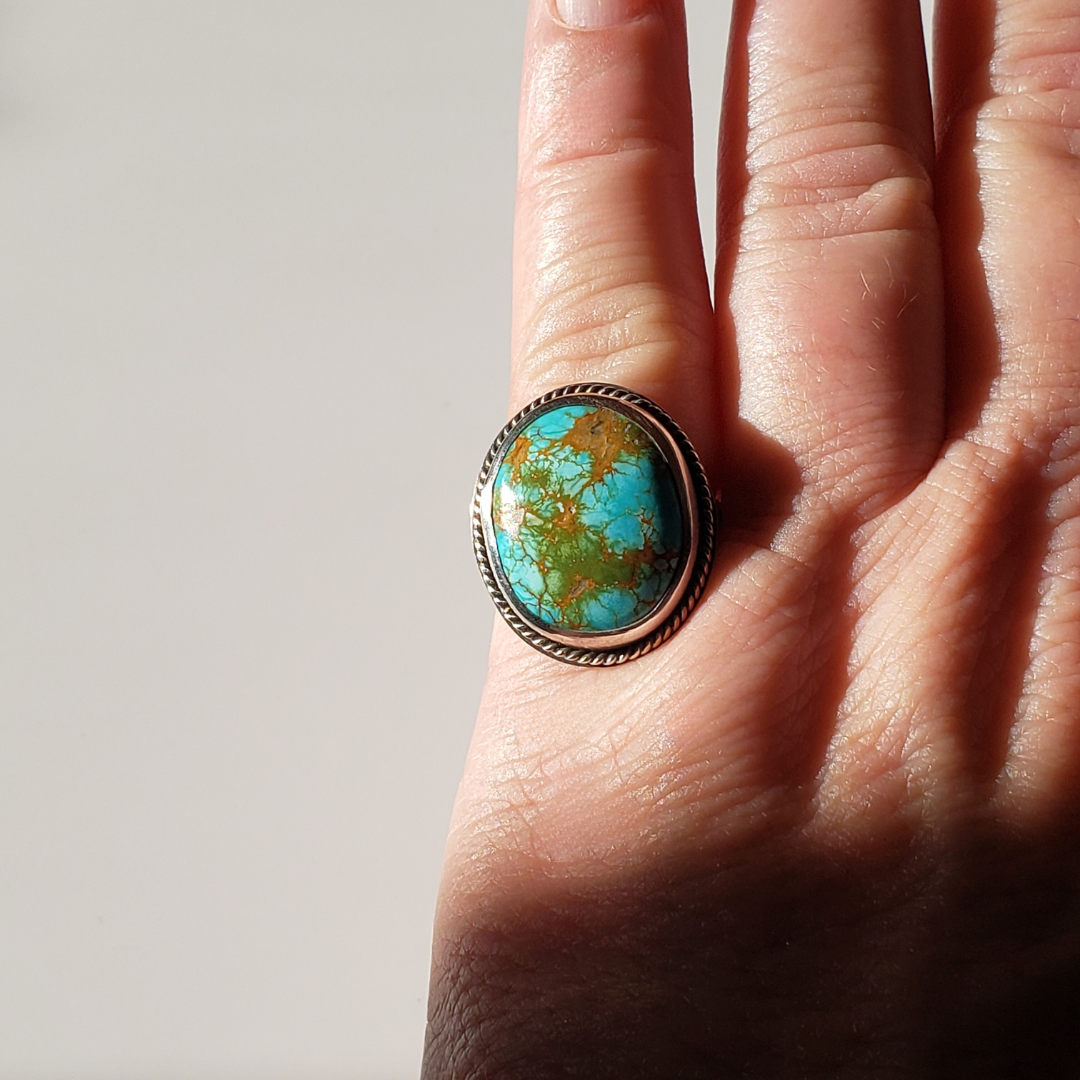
(831, 827)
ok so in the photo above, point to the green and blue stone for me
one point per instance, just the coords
(587, 520)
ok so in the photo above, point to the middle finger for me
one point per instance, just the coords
(828, 242)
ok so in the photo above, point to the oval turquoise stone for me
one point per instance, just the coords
(587, 520)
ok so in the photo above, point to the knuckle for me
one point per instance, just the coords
(603, 293)
(1035, 84)
(842, 167)
(846, 179)
(603, 324)
(550, 162)
(1036, 55)
(1045, 121)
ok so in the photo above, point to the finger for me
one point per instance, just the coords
(609, 280)
(610, 284)
(828, 241)
(1010, 103)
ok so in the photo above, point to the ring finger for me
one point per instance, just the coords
(609, 280)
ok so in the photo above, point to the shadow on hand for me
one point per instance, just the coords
(931, 957)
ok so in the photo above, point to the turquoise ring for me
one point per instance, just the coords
(593, 524)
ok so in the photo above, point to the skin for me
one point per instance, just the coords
(831, 828)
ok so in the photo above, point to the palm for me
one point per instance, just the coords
(831, 825)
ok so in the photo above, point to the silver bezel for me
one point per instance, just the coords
(614, 647)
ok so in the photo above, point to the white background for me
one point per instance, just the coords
(254, 312)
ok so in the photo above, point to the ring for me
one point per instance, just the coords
(593, 524)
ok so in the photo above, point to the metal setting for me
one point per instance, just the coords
(605, 648)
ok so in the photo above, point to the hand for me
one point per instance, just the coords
(831, 827)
